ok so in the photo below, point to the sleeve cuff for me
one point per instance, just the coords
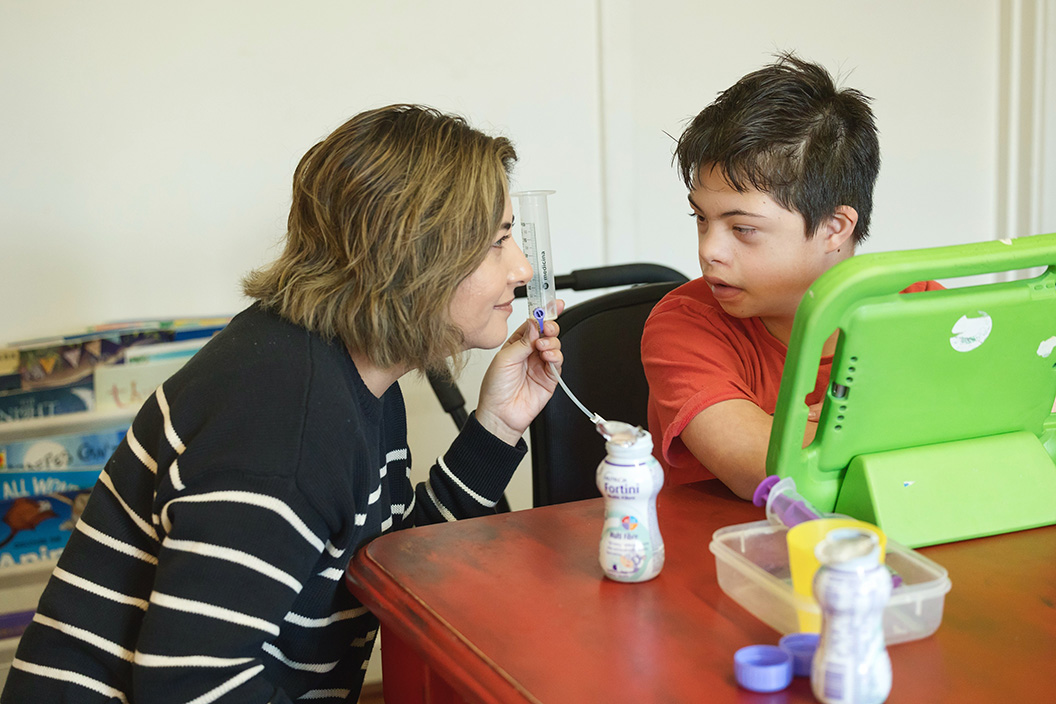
(482, 461)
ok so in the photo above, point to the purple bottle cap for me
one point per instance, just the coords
(763, 490)
(801, 647)
(762, 668)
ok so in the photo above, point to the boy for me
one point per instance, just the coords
(780, 171)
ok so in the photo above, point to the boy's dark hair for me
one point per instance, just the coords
(787, 130)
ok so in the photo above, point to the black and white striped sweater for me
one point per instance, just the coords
(208, 565)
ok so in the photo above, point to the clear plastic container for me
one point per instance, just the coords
(751, 562)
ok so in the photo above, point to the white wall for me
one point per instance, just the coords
(146, 148)
(930, 67)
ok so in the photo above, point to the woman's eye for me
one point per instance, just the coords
(501, 241)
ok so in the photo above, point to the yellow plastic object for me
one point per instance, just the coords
(803, 563)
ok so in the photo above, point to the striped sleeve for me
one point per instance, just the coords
(469, 479)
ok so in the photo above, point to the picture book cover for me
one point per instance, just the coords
(38, 403)
(65, 359)
(16, 484)
(37, 528)
(62, 451)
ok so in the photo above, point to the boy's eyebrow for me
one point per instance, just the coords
(728, 213)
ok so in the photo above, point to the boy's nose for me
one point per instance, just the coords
(711, 248)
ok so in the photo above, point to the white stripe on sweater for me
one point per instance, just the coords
(211, 611)
(174, 476)
(113, 543)
(331, 573)
(98, 589)
(361, 519)
(80, 634)
(341, 694)
(334, 552)
(360, 642)
(72, 677)
(214, 694)
(305, 622)
(319, 667)
(374, 496)
(394, 455)
(196, 661)
(250, 499)
(448, 516)
(410, 506)
(236, 556)
(459, 483)
(105, 480)
(170, 432)
(141, 453)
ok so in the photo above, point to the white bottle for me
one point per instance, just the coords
(851, 664)
(629, 478)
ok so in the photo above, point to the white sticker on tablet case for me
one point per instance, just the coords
(969, 333)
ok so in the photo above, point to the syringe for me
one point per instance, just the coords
(535, 243)
(542, 299)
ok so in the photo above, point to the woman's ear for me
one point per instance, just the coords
(837, 230)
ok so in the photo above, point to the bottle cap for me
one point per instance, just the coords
(625, 440)
(762, 668)
(848, 549)
(801, 647)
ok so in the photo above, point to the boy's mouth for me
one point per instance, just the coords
(722, 290)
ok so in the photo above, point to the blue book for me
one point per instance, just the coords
(36, 529)
(87, 449)
(18, 484)
(38, 403)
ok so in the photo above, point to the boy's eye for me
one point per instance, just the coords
(744, 231)
(698, 218)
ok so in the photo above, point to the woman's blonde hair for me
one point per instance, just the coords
(390, 213)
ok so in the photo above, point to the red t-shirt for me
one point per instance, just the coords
(695, 355)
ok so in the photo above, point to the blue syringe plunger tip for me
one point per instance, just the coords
(539, 314)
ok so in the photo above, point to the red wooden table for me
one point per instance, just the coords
(514, 608)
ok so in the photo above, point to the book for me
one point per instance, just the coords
(129, 385)
(37, 528)
(15, 484)
(64, 451)
(37, 403)
(162, 351)
(10, 378)
(64, 359)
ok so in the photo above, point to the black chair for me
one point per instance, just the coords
(601, 340)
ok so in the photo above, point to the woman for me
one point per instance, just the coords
(208, 563)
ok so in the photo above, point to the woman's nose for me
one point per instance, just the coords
(520, 270)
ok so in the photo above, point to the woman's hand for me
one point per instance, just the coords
(519, 381)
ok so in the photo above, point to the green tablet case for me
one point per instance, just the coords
(939, 423)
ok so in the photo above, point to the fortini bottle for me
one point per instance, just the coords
(851, 664)
(629, 479)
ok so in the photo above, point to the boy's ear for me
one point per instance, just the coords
(838, 229)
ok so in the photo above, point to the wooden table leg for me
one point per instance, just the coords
(406, 678)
